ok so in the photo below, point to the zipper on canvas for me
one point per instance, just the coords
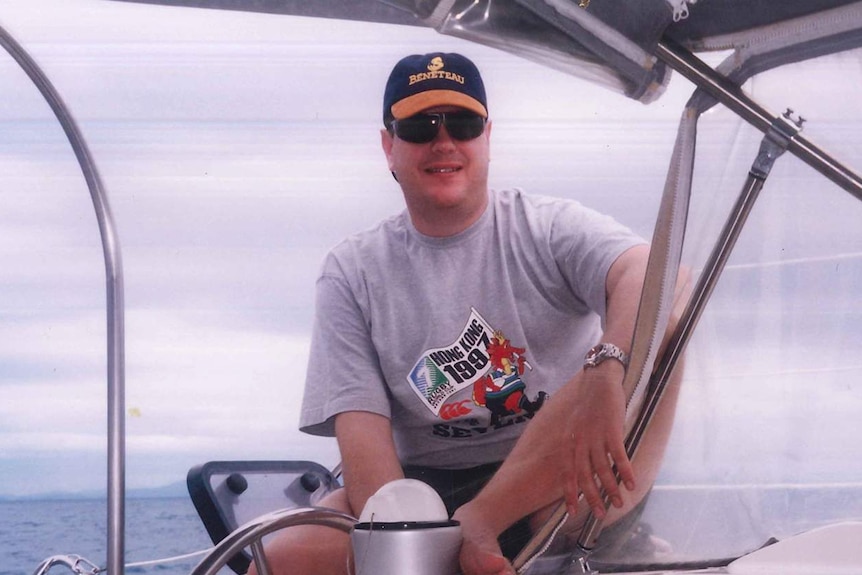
(680, 8)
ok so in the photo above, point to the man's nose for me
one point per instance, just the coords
(442, 138)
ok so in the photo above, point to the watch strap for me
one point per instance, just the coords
(605, 351)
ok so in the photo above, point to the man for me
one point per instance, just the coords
(450, 331)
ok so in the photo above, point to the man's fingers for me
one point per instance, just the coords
(590, 490)
(624, 467)
(607, 479)
(596, 472)
(570, 482)
(596, 478)
(580, 474)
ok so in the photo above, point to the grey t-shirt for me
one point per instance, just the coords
(460, 340)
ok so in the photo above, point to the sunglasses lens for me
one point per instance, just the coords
(419, 129)
(423, 128)
(465, 125)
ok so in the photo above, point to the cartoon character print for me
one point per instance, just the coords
(502, 391)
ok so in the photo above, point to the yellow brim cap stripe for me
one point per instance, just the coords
(416, 103)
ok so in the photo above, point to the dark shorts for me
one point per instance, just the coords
(458, 486)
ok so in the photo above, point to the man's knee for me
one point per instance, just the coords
(311, 549)
(338, 501)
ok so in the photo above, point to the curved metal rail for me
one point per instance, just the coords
(75, 563)
(252, 532)
(114, 276)
(732, 96)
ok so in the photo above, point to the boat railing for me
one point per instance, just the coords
(75, 563)
(251, 535)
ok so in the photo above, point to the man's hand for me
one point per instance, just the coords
(480, 551)
(594, 441)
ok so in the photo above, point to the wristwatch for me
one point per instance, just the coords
(603, 351)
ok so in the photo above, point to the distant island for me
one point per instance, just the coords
(177, 489)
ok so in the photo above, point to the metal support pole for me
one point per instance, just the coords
(775, 142)
(115, 304)
(782, 131)
(261, 563)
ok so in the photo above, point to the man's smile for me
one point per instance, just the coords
(443, 170)
(443, 166)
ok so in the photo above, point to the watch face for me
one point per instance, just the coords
(593, 356)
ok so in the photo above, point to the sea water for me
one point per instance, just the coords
(31, 531)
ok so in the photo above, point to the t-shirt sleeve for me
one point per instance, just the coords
(587, 244)
(343, 368)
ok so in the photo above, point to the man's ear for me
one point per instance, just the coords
(386, 141)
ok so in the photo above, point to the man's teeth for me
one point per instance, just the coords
(442, 170)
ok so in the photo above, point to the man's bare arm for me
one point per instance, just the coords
(535, 473)
(596, 427)
(368, 455)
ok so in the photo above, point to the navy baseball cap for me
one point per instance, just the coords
(419, 82)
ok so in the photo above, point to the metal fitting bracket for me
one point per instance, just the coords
(784, 128)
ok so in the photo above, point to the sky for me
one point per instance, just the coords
(236, 149)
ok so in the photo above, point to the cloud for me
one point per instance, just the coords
(198, 387)
(70, 344)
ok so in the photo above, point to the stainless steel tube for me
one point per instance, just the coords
(115, 304)
(252, 532)
(736, 100)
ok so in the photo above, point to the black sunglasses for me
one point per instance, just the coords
(423, 128)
